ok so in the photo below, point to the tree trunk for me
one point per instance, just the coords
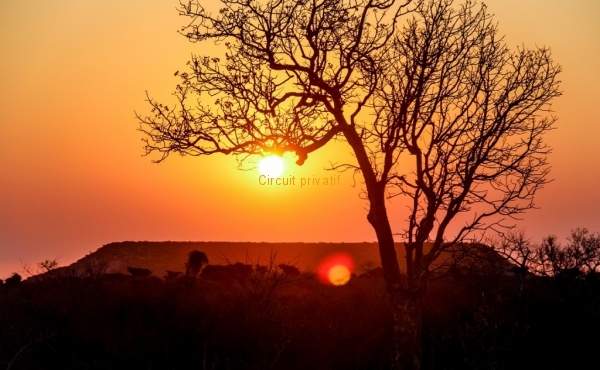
(407, 330)
(406, 307)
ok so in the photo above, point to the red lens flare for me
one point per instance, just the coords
(335, 269)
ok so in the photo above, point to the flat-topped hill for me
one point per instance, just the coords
(169, 255)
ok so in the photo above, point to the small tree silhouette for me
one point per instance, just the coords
(196, 260)
(48, 264)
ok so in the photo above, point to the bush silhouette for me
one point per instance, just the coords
(14, 279)
(289, 269)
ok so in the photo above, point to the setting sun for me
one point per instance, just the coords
(271, 166)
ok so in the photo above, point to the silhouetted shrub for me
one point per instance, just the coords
(137, 271)
(289, 269)
(14, 279)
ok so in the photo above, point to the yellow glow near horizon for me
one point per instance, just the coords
(271, 166)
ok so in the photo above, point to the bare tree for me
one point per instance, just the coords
(520, 251)
(585, 250)
(48, 265)
(42, 267)
(466, 117)
(264, 282)
(578, 258)
(439, 111)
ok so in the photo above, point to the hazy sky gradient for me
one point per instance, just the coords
(72, 177)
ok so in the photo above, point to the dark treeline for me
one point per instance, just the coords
(273, 317)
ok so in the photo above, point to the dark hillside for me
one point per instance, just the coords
(162, 256)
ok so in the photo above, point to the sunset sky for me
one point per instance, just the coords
(72, 174)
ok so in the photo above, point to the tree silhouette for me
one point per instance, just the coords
(439, 111)
(520, 251)
(196, 260)
(577, 258)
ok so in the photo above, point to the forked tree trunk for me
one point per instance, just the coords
(406, 307)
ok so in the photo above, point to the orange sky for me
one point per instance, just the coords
(72, 177)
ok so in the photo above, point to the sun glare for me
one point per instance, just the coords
(271, 166)
(335, 269)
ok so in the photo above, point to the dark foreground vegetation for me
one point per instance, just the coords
(271, 318)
